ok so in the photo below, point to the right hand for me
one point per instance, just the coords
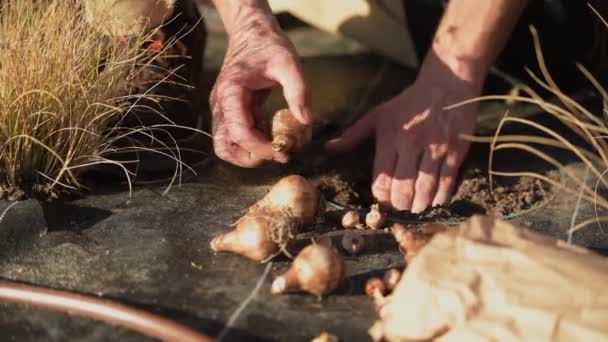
(259, 58)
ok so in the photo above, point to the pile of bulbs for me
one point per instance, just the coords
(293, 204)
(378, 288)
(274, 221)
(353, 241)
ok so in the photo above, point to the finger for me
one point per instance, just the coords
(236, 155)
(448, 176)
(280, 157)
(238, 119)
(295, 91)
(227, 150)
(426, 181)
(244, 158)
(354, 135)
(384, 167)
(402, 187)
(252, 140)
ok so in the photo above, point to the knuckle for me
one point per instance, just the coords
(284, 56)
(381, 190)
(382, 181)
(237, 138)
(438, 151)
(240, 66)
(446, 180)
(453, 160)
(239, 133)
(221, 153)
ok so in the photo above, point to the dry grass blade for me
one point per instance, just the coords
(586, 125)
(65, 90)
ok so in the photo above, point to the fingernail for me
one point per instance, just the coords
(305, 114)
(438, 203)
(331, 143)
(281, 158)
(417, 210)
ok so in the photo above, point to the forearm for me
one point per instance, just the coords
(472, 33)
(252, 16)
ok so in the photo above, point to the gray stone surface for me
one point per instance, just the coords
(153, 251)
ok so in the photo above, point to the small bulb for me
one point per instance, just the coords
(411, 241)
(326, 337)
(391, 278)
(288, 134)
(375, 218)
(351, 219)
(318, 269)
(375, 287)
(376, 290)
(353, 242)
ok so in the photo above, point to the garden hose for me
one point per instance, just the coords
(98, 309)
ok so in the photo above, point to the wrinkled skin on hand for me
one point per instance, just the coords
(259, 58)
(419, 145)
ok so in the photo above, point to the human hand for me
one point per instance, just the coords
(259, 57)
(419, 148)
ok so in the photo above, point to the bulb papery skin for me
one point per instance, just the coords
(317, 269)
(351, 219)
(251, 238)
(288, 134)
(375, 219)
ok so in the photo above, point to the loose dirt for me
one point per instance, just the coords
(345, 180)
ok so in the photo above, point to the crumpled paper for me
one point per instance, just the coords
(490, 280)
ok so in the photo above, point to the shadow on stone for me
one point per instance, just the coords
(72, 217)
(207, 326)
(21, 223)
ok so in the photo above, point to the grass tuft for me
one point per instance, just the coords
(591, 128)
(65, 91)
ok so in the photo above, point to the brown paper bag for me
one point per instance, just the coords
(490, 280)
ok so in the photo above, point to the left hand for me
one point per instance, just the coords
(419, 148)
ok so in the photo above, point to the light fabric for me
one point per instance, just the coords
(127, 17)
(380, 25)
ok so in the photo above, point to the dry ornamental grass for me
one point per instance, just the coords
(65, 90)
(591, 128)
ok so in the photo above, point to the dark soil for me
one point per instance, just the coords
(345, 181)
(473, 196)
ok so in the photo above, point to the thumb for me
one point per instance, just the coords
(354, 135)
(295, 90)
